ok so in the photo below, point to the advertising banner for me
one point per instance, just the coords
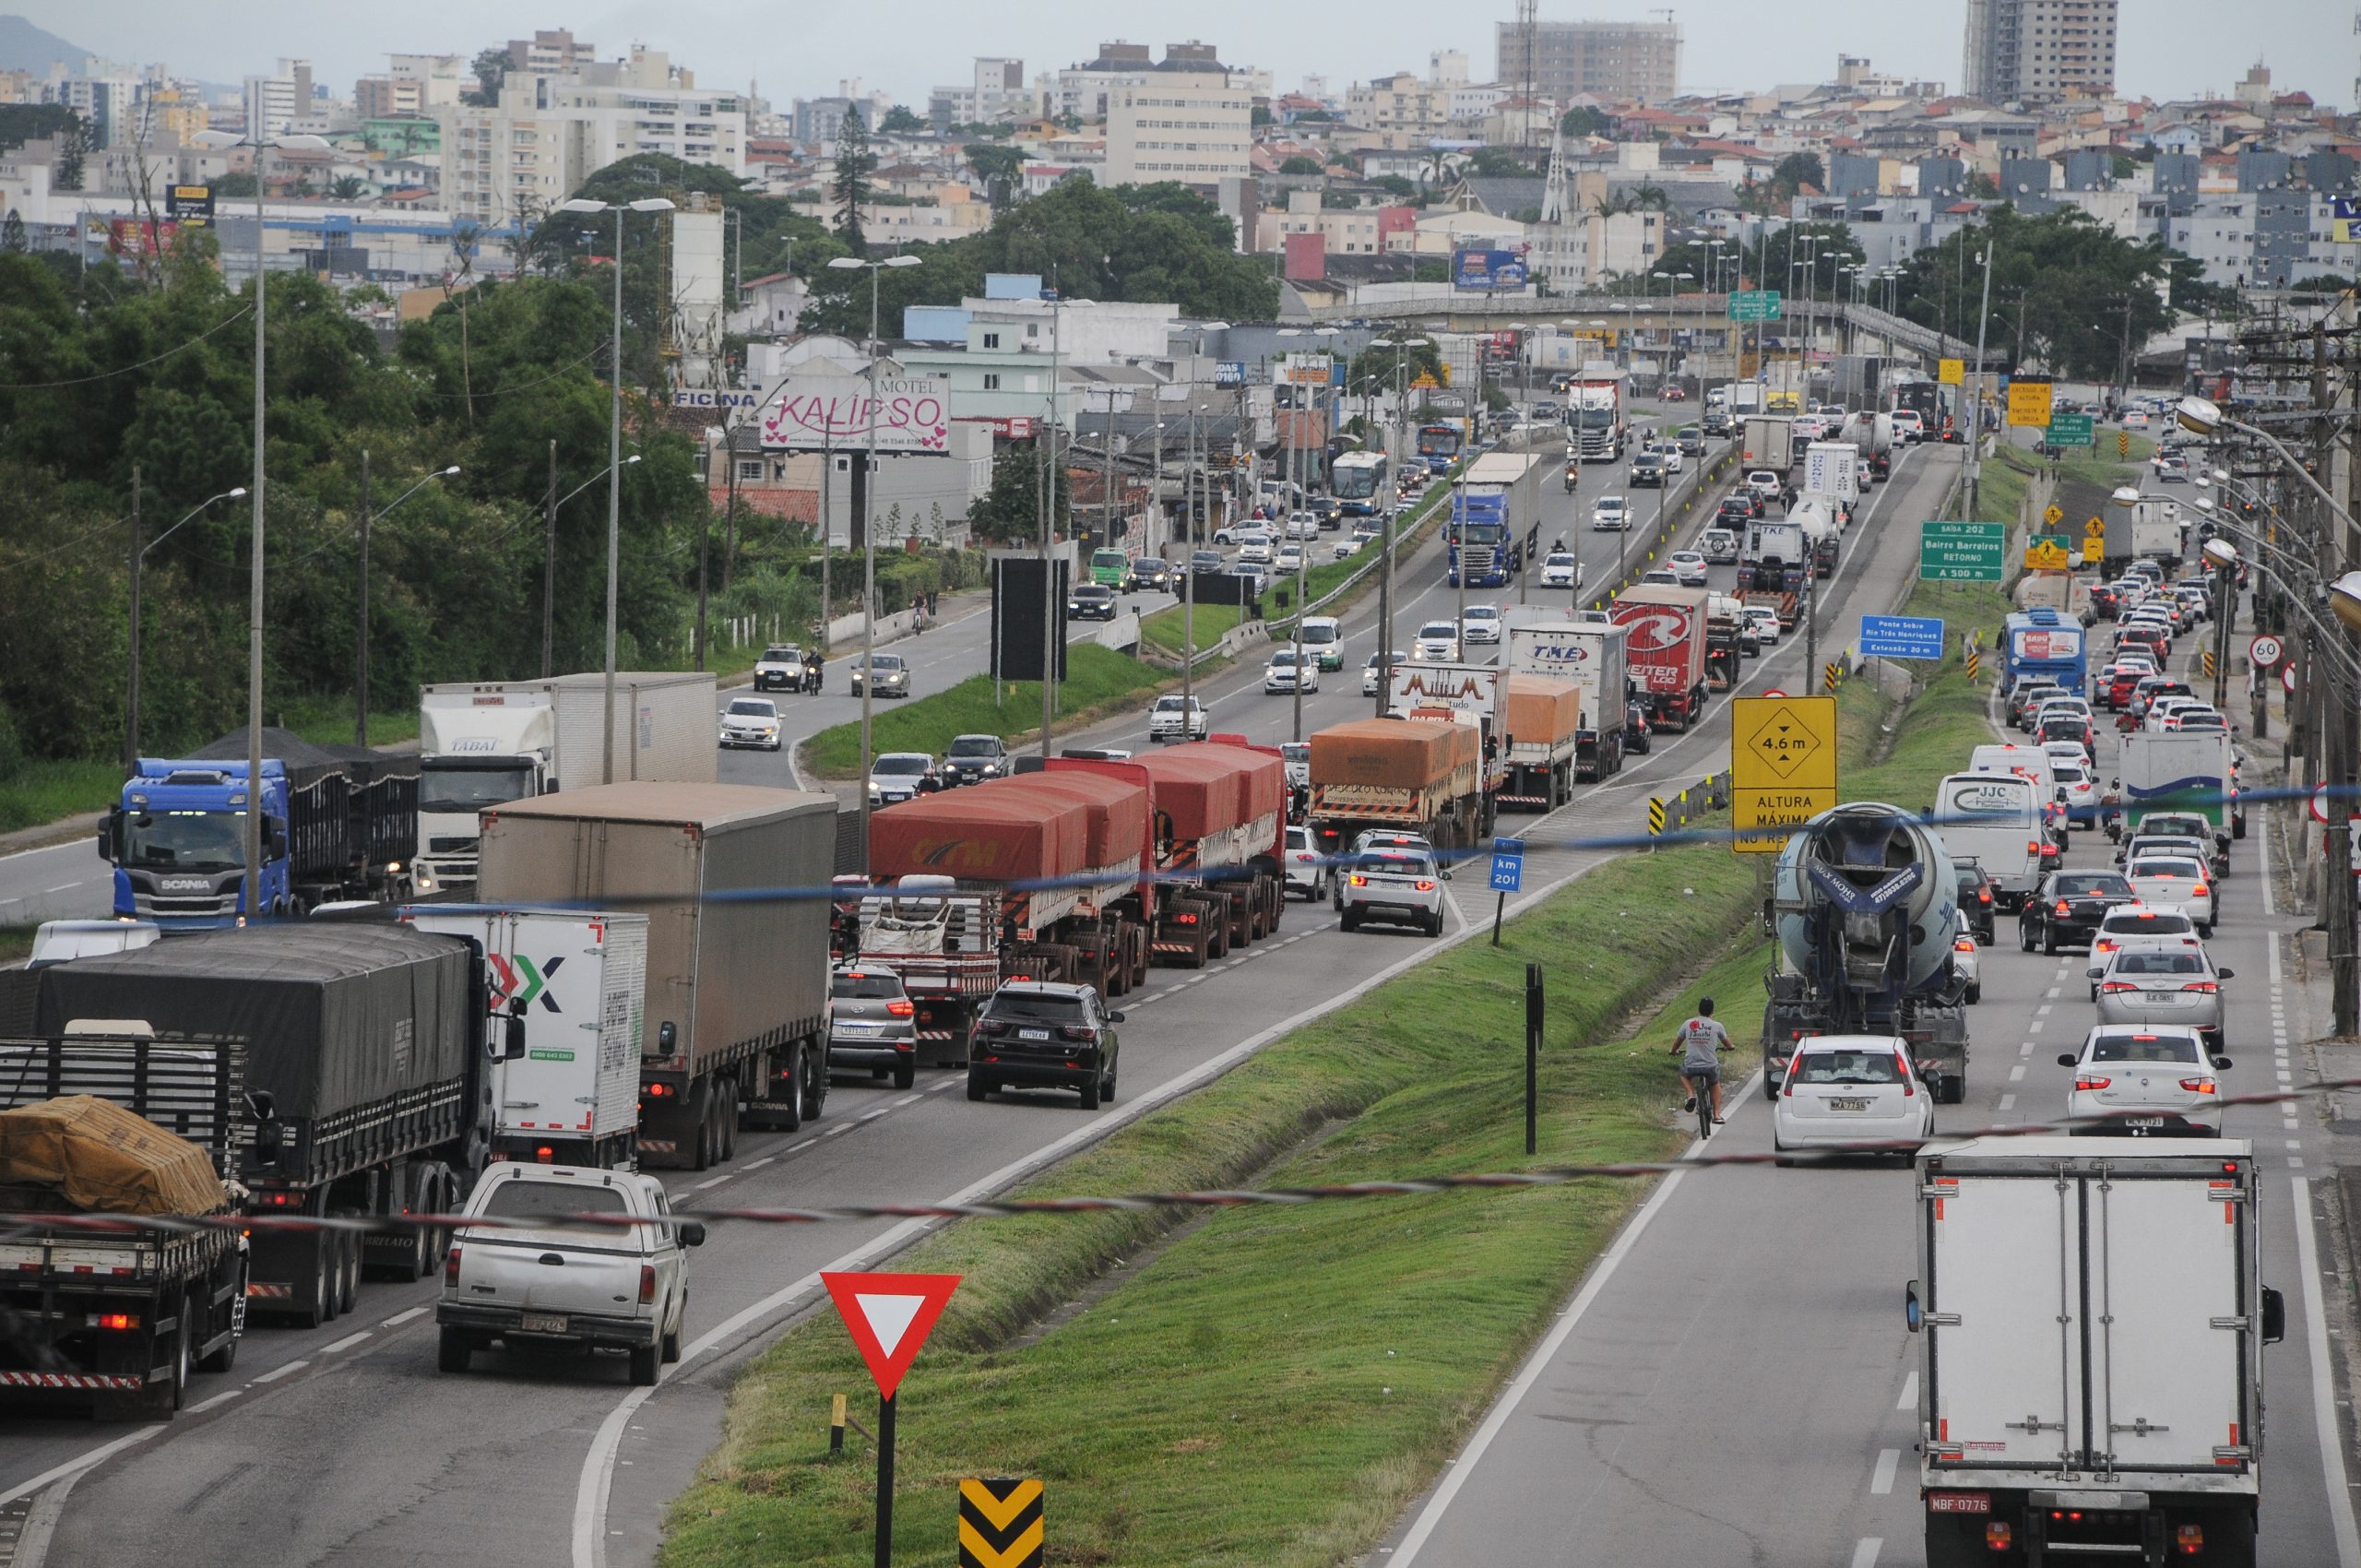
(1487, 269)
(912, 413)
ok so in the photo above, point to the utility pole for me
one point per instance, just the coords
(827, 526)
(2337, 733)
(1049, 601)
(131, 695)
(1188, 559)
(549, 567)
(1976, 424)
(360, 663)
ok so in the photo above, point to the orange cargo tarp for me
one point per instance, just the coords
(1199, 794)
(1543, 712)
(990, 832)
(1115, 810)
(1391, 753)
(1263, 773)
(101, 1159)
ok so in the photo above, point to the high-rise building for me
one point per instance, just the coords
(547, 53)
(2039, 50)
(273, 101)
(997, 95)
(1613, 62)
(1191, 119)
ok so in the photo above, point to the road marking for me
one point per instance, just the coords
(758, 1164)
(1865, 1555)
(1881, 1479)
(2025, 1049)
(906, 1099)
(2053, 990)
(69, 887)
(2040, 1012)
(348, 1342)
(714, 1182)
(1909, 1400)
(402, 1317)
(798, 1148)
(2008, 1102)
(840, 1127)
(221, 1398)
(76, 1464)
(2269, 908)
(275, 1373)
(2295, 1143)
(881, 1110)
(2035, 1027)
(2340, 1502)
(2017, 1074)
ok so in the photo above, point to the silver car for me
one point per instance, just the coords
(892, 675)
(2140, 1080)
(751, 721)
(896, 776)
(2156, 985)
(1403, 887)
(872, 1024)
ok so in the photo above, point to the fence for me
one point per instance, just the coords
(1671, 814)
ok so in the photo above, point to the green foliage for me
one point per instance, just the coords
(899, 121)
(488, 68)
(1299, 164)
(21, 123)
(2319, 283)
(994, 162)
(1585, 121)
(1396, 186)
(855, 164)
(1258, 116)
(1010, 512)
(1495, 163)
(2061, 284)
(1800, 168)
(233, 185)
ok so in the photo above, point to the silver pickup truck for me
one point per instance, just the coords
(624, 1287)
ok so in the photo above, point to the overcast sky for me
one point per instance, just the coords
(2169, 48)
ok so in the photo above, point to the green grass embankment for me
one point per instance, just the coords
(1164, 630)
(34, 792)
(1098, 680)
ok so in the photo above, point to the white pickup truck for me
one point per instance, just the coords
(625, 1287)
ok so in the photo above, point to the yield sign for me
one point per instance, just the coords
(889, 1316)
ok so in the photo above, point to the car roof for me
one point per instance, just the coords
(1059, 988)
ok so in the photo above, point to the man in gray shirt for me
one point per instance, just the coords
(1700, 1045)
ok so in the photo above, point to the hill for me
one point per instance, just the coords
(24, 47)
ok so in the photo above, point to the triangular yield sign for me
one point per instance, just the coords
(889, 1316)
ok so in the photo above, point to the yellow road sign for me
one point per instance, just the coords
(1975, 662)
(2095, 529)
(2047, 557)
(2029, 403)
(999, 1522)
(2093, 550)
(1950, 373)
(2123, 444)
(1656, 817)
(2054, 515)
(1782, 766)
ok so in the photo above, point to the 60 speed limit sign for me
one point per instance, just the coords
(2266, 651)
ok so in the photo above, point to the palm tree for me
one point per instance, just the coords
(346, 187)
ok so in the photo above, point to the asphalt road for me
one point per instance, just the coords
(344, 1444)
(63, 881)
(1733, 1385)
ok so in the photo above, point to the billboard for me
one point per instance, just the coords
(912, 413)
(1487, 269)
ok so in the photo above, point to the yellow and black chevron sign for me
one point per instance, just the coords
(1655, 816)
(999, 1522)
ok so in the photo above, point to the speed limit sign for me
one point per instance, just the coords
(2266, 651)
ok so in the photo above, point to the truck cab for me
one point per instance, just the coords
(177, 840)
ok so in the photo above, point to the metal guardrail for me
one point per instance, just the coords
(1674, 812)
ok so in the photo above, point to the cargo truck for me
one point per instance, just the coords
(577, 985)
(1544, 727)
(486, 743)
(339, 823)
(1666, 649)
(117, 1320)
(1774, 558)
(2186, 770)
(368, 1080)
(737, 982)
(1830, 470)
(1724, 640)
(1598, 400)
(1593, 653)
(1495, 519)
(1221, 839)
(2091, 1316)
(1459, 694)
(1766, 441)
(1417, 774)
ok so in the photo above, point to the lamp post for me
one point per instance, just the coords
(1189, 528)
(1976, 415)
(139, 553)
(1303, 547)
(1385, 575)
(868, 533)
(360, 650)
(262, 144)
(615, 455)
(549, 555)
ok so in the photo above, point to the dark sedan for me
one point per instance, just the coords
(1091, 601)
(2066, 910)
(1975, 901)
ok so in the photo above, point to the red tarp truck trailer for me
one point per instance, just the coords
(1666, 648)
(1421, 775)
(1545, 721)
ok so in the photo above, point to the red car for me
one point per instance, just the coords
(1674, 395)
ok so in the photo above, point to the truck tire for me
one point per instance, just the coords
(164, 1398)
(725, 1119)
(700, 1122)
(646, 1365)
(815, 1074)
(317, 1297)
(454, 1351)
(348, 1247)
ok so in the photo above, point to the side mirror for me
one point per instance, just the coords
(1446, 877)
(1912, 1315)
(2226, 974)
(111, 835)
(2221, 1063)
(2093, 974)
(512, 1035)
(277, 837)
(2066, 1059)
(693, 1232)
(2274, 1316)
(1114, 1017)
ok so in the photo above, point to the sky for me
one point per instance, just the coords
(789, 48)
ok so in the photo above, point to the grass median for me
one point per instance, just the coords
(1098, 680)
(36, 792)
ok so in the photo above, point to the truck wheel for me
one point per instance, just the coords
(646, 1366)
(725, 1119)
(680, 1326)
(349, 1248)
(453, 1351)
(317, 1303)
(790, 1090)
(815, 1074)
(165, 1397)
(700, 1120)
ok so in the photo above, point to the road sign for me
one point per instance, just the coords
(2265, 651)
(2320, 805)
(1901, 637)
(1774, 692)
(2053, 517)
(1832, 675)
(1961, 553)
(2069, 430)
(2123, 444)
(2048, 553)
(1975, 662)
(2029, 403)
(2094, 527)
(2287, 679)
(2093, 550)
(1656, 817)
(1950, 373)
(1782, 765)
(999, 1522)
(1755, 305)
(889, 1316)
(1508, 865)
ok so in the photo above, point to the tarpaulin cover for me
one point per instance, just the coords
(1391, 753)
(334, 1016)
(1262, 787)
(997, 831)
(1197, 791)
(1116, 810)
(1543, 712)
(102, 1158)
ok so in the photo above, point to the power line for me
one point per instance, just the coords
(127, 370)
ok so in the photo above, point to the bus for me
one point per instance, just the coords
(2044, 643)
(1438, 445)
(1358, 480)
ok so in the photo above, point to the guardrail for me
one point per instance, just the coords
(1670, 518)
(1671, 814)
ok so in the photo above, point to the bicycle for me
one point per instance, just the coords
(1701, 1097)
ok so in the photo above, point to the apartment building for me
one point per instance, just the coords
(1083, 90)
(1613, 62)
(996, 93)
(274, 101)
(551, 53)
(1400, 112)
(439, 78)
(1191, 121)
(2039, 50)
(389, 97)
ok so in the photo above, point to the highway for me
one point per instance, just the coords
(62, 882)
(344, 1444)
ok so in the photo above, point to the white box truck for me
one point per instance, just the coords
(2091, 1317)
(486, 743)
(579, 984)
(1830, 470)
(1593, 655)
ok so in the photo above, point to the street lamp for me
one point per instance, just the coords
(262, 145)
(360, 651)
(2202, 416)
(139, 553)
(549, 555)
(1385, 577)
(1191, 488)
(614, 453)
(869, 533)
(1303, 551)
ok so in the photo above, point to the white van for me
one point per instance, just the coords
(2009, 757)
(1996, 817)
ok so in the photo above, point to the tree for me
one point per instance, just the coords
(2319, 283)
(346, 187)
(489, 67)
(12, 233)
(1377, 364)
(1396, 186)
(994, 164)
(1799, 169)
(899, 121)
(1258, 116)
(1010, 512)
(74, 141)
(855, 162)
(1299, 164)
(2064, 289)
(233, 185)
(1493, 163)
(1585, 121)
(1982, 186)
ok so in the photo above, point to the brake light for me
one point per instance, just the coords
(545, 1154)
(1076, 1031)
(657, 1092)
(1184, 919)
(2198, 1085)
(2063, 909)
(2200, 890)
(2208, 987)
(1426, 888)
(2033, 847)
(1909, 1090)
(1358, 880)
(901, 1009)
(2087, 1084)
(117, 1321)
(646, 1284)
(1964, 945)
(1997, 1535)
(2112, 988)
(451, 1269)
(2190, 1540)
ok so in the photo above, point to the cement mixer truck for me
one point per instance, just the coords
(1865, 908)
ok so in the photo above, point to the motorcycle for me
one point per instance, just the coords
(1573, 478)
(812, 679)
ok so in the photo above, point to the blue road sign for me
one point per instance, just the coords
(1901, 637)
(1508, 865)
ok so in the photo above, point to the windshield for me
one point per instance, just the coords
(2161, 961)
(866, 986)
(446, 785)
(1354, 482)
(975, 745)
(1438, 631)
(184, 840)
(1163, 705)
(753, 707)
(1296, 751)
(2168, 868)
(780, 654)
(1438, 441)
(1314, 632)
(884, 662)
(1109, 558)
(2148, 925)
(899, 764)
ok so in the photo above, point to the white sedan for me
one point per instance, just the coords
(1689, 566)
(1305, 874)
(1481, 624)
(2171, 882)
(1612, 513)
(1438, 643)
(1561, 569)
(1375, 670)
(1291, 670)
(1849, 1089)
(1968, 964)
(2139, 1079)
(751, 721)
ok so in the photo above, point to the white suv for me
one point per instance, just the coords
(1305, 874)
(1403, 886)
(1178, 719)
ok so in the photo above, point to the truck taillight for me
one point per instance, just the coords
(545, 1154)
(901, 1009)
(1997, 1535)
(647, 1285)
(118, 1321)
(2190, 1540)
(2090, 1086)
(451, 1269)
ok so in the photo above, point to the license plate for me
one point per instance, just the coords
(1032, 1034)
(2142, 1120)
(2157, 996)
(544, 1322)
(1848, 1104)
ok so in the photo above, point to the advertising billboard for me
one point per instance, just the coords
(912, 413)
(1487, 269)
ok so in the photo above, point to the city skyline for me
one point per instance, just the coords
(2166, 51)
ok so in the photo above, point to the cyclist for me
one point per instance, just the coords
(1699, 1045)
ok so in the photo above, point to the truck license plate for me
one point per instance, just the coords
(1032, 1034)
(1848, 1105)
(544, 1322)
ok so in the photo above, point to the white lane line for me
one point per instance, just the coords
(1865, 1555)
(1909, 1400)
(758, 1164)
(881, 1110)
(275, 1373)
(840, 1127)
(1881, 1479)
(2032, 1028)
(2295, 1143)
(712, 1181)
(221, 1398)
(64, 886)
(2307, 1258)
(346, 1343)
(76, 1464)
(2016, 1074)
(402, 1317)
(798, 1148)
(2273, 937)
(2295, 1162)
(906, 1099)
(2025, 1049)
(2040, 1012)
(2008, 1102)
(2053, 991)
(2269, 907)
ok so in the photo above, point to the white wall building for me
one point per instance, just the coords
(440, 78)
(1193, 124)
(274, 101)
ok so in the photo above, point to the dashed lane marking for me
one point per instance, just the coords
(402, 1317)
(346, 1343)
(1881, 1479)
(1909, 1400)
(2008, 1102)
(275, 1373)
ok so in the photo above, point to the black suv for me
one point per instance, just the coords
(1035, 1034)
(1976, 903)
(2066, 909)
(974, 758)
